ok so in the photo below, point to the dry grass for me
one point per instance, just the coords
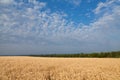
(36, 68)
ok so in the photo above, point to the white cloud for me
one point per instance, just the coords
(103, 6)
(75, 2)
(6, 1)
(40, 30)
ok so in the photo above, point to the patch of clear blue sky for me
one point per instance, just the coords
(82, 13)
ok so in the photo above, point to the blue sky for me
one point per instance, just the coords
(59, 26)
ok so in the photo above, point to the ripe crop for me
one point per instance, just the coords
(40, 68)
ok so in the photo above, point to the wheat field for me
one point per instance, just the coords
(39, 68)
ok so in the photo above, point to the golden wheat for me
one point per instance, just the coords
(38, 68)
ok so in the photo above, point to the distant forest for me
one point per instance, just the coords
(114, 54)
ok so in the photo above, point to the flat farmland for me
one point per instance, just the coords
(45, 68)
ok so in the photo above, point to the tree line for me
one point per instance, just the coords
(88, 55)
